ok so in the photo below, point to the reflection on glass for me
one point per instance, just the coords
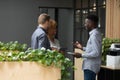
(84, 3)
(77, 15)
(101, 2)
(90, 10)
(104, 3)
(43, 10)
(78, 4)
(99, 25)
(86, 8)
(85, 14)
(101, 14)
(92, 3)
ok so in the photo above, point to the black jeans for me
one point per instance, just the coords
(89, 75)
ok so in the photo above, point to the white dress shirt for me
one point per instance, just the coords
(55, 44)
(92, 54)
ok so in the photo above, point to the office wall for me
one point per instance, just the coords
(65, 32)
(18, 18)
(65, 28)
(56, 3)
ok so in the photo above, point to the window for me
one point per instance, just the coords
(84, 8)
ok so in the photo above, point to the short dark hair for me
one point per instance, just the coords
(43, 18)
(93, 18)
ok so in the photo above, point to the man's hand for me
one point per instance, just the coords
(78, 45)
(53, 48)
(77, 55)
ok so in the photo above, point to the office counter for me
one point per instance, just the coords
(108, 73)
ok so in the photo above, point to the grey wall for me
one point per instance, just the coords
(51, 13)
(65, 33)
(18, 18)
(65, 28)
(57, 3)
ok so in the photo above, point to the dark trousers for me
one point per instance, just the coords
(89, 75)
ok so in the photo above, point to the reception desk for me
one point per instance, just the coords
(28, 71)
(108, 73)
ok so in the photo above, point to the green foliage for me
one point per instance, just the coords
(106, 43)
(12, 46)
(42, 56)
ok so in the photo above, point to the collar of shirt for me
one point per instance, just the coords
(42, 28)
(92, 31)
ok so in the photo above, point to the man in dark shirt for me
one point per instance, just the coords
(39, 38)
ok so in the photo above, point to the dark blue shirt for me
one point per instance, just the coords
(39, 39)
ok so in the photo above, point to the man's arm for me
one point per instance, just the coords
(84, 48)
(96, 47)
(42, 41)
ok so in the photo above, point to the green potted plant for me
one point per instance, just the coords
(42, 56)
(12, 46)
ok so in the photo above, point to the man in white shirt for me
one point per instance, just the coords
(92, 55)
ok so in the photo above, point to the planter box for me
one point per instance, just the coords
(28, 71)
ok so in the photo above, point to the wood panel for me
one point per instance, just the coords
(78, 64)
(28, 71)
(113, 18)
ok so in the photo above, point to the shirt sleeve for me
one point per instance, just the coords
(42, 41)
(58, 44)
(96, 48)
(84, 48)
